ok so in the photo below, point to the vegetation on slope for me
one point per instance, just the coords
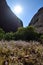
(26, 34)
(19, 52)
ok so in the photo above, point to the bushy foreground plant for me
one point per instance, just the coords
(21, 53)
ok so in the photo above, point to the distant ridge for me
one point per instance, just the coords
(8, 20)
(37, 21)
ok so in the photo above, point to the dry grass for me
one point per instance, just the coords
(21, 52)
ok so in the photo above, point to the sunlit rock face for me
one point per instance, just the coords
(37, 21)
(8, 20)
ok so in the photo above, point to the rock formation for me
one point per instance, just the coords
(37, 21)
(8, 20)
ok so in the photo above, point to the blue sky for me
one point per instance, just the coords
(30, 7)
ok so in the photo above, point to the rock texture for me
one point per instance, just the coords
(37, 21)
(8, 20)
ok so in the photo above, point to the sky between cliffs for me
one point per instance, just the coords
(29, 8)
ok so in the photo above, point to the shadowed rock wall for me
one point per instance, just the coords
(8, 20)
(37, 21)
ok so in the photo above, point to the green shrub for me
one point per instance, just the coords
(1, 34)
(27, 33)
(41, 36)
(21, 33)
(9, 36)
(41, 39)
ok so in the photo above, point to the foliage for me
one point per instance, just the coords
(21, 53)
(31, 34)
(9, 36)
(26, 34)
(20, 34)
(41, 39)
(1, 34)
(41, 36)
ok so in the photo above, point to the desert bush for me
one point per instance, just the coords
(20, 34)
(21, 53)
(9, 36)
(41, 39)
(1, 34)
(31, 34)
(27, 33)
(41, 36)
